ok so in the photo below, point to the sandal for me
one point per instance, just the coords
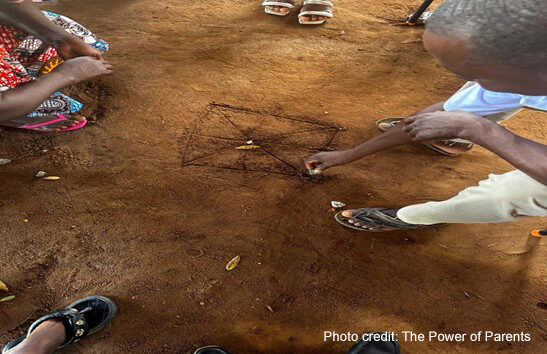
(313, 8)
(289, 4)
(81, 319)
(452, 147)
(55, 119)
(380, 220)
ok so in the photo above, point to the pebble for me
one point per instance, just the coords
(4, 161)
(336, 204)
(249, 142)
(40, 174)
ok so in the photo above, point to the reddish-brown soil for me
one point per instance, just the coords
(154, 200)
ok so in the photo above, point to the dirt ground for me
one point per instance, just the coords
(154, 200)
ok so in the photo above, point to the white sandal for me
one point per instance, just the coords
(325, 13)
(289, 4)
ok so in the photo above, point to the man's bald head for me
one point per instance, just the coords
(475, 37)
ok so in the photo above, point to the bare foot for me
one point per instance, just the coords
(280, 9)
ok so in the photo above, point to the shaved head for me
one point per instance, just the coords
(509, 31)
(502, 44)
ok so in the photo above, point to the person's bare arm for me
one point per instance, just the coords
(24, 99)
(17, 102)
(25, 16)
(528, 156)
(389, 139)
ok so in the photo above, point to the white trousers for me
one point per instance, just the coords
(499, 198)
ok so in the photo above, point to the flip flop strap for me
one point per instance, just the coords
(319, 2)
(60, 118)
(382, 219)
(288, 3)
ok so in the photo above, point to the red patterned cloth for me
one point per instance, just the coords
(18, 63)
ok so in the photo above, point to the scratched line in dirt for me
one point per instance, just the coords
(198, 145)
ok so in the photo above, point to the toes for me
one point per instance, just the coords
(78, 119)
(384, 126)
(349, 213)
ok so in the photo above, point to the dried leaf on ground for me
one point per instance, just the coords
(7, 298)
(3, 286)
(233, 263)
(247, 147)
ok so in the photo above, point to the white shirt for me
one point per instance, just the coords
(475, 99)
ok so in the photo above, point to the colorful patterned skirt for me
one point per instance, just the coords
(23, 58)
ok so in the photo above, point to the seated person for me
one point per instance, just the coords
(504, 50)
(40, 53)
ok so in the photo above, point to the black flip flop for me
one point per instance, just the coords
(81, 319)
(382, 220)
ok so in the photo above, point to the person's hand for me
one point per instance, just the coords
(74, 47)
(441, 125)
(84, 68)
(323, 160)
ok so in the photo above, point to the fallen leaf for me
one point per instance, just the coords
(51, 178)
(3, 286)
(247, 147)
(4, 161)
(233, 263)
(7, 298)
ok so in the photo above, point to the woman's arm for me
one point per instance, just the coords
(24, 99)
(17, 102)
(23, 15)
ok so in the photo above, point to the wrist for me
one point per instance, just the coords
(61, 78)
(473, 127)
(476, 129)
(346, 156)
(59, 38)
